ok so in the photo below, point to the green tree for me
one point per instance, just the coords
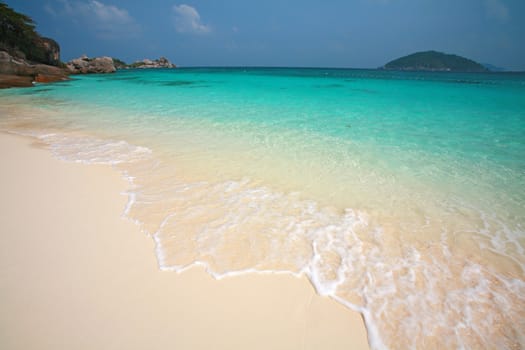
(18, 34)
(17, 31)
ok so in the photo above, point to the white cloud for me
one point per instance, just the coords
(49, 9)
(188, 20)
(496, 9)
(107, 21)
(109, 13)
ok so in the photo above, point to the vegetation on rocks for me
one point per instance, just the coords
(435, 61)
(19, 38)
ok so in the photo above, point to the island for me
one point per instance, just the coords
(434, 61)
(146, 63)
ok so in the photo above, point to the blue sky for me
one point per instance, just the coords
(315, 33)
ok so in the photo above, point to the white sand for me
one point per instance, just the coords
(74, 274)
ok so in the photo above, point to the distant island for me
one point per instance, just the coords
(435, 61)
(162, 62)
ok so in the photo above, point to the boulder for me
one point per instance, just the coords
(78, 65)
(46, 78)
(103, 65)
(49, 74)
(86, 65)
(10, 65)
(17, 72)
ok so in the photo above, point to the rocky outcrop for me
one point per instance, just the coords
(17, 72)
(86, 65)
(43, 50)
(162, 62)
(119, 64)
(19, 38)
(50, 51)
(25, 56)
(12, 66)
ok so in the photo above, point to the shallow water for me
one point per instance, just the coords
(401, 195)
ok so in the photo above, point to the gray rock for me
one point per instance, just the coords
(85, 65)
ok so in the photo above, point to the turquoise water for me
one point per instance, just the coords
(399, 194)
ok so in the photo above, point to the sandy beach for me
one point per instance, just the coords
(75, 274)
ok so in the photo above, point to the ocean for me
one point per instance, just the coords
(399, 194)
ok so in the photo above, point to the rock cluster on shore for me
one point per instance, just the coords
(27, 57)
(18, 72)
(162, 62)
(85, 65)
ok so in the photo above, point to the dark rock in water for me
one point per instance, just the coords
(85, 65)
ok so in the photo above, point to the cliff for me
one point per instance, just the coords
(435, 61)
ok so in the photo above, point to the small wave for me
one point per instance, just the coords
(413, 292)
(87, 150)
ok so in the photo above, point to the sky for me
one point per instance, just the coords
(286, 33)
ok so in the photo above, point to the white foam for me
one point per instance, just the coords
(89, 150)
(422, 292)
(242, 204)
(94, 151)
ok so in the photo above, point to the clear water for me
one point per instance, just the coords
(401, 195)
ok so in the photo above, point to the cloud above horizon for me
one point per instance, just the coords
(187, 20)
(496, 9)
(108, 21)
(357, 34)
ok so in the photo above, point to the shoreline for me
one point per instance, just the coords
(76, 274)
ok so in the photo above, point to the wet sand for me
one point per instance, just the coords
(75, 274)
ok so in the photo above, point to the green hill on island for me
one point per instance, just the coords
(435, 61)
